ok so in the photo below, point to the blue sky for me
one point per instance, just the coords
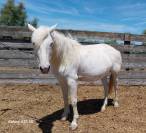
(93, 15)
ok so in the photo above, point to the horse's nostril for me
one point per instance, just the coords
(41, 68)
(45, 70)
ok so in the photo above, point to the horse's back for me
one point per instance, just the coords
(102, 50)
(99, 59)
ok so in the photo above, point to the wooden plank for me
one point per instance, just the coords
(18, 70)
(16, 45)
(132, 75)
(37, 75)
(37, 71)
(133, 55)
(21, 32)
(25, 76)
(135, 65)
(14, 32)
(132, 82)
(33, 63)
(140, 38)
(13, 28)
(128, 82)
(16, 54)
(104, 35)
(125, 78)
(130, 48)
(122, 48)
(29, 81)
(18, 63)
(136, 59)
(23, 45)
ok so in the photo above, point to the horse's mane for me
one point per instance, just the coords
(64, 41)
(66, 48)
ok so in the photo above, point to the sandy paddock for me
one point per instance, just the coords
(37, 108)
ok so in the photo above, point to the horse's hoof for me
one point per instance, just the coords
(103, 109)
(73, 126)
(64, 118)
(116, 104)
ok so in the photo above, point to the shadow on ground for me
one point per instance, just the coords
(86, 107)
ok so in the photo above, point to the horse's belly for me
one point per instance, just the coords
(94, 68)
(91, 77)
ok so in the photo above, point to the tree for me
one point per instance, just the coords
(21, 15)
(14, 15)
(34, 22)
(7, 13)
(144, 32)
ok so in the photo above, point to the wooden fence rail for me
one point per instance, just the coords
(22, 33)
(18, 63)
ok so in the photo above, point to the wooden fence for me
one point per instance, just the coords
(18, 63)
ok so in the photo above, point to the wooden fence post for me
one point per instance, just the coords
(127, 39)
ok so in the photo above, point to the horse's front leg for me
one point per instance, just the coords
(66, 105)
(72, 84)
(65, 99)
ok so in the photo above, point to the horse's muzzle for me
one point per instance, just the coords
(45, 70)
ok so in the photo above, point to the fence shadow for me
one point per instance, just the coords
(86, 107)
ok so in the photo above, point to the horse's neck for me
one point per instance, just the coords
(59, 40)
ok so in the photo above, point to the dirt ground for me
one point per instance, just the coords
(37, 109)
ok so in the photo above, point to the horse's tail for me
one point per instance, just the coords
(111, 83)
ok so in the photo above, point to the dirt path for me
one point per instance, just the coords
(37, 108)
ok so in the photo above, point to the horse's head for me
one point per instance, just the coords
(42, 40)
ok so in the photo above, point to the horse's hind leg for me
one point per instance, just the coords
(116, 88)
(105, 84)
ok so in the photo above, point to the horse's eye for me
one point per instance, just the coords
(51, 45)
(33, 43)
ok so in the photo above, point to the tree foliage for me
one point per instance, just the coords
(14, 15)
(34, 22)
(144, 32)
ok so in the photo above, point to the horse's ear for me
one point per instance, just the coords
(52, 28)
(31, 28)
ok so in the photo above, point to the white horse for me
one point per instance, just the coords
(69, 60)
